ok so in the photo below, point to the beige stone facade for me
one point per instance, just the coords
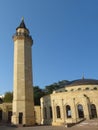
(6, 113)
(37, 113)
(23, 102)
(70, 104)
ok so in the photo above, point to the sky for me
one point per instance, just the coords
(65, 35)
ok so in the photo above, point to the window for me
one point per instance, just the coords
(50, 108)
(93, 111)
(65, 90)
(80, 111)
(95, 88)
(86, 88)
(79, 88)
(68, 111)
(58, 112)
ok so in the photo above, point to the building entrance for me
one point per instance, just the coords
(20, 118)
(9, 116)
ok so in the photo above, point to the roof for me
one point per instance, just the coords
(22, 25)
(82, 82)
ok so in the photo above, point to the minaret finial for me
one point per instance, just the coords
(22, 18)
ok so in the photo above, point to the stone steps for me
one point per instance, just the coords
(88, 123)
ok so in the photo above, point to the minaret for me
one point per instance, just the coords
(23, 102)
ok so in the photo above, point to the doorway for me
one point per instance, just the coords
(9, 116)
(20, 117)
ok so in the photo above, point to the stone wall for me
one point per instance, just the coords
(6, 113)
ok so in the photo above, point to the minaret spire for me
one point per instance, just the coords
(22, 24)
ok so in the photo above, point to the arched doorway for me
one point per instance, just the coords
(1, 114)
(9, 116)
(68, 111)
(80, 111)
(93, 111)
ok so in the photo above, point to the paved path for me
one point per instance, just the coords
(32, 128)
(49, 128)
(85, 125)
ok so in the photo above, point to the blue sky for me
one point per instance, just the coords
(65, 34)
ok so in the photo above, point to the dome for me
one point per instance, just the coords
(83, 82)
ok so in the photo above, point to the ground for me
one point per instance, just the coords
(86, 125)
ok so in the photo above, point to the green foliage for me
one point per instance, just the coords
(8, 97)
(49, 89)
(38, 93)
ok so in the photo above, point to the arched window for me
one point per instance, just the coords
(72, 89)
(86, 88)
(66, 90)
(58, 112)
(50, 108)
(0, 114)
(45, 113)
(68, 111)
(95, 88)
(93, 111)
(80, 111)
(79, 88)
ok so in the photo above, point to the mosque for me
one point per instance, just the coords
(73, 103)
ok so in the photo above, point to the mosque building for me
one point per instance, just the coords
(73, 103)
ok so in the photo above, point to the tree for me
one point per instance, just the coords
(8, 97)
(38, 93)
(50, 88)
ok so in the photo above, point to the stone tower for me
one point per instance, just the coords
(23, 102)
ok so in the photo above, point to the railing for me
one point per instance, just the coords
(22, 34)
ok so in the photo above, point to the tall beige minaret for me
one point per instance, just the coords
(23, 102)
